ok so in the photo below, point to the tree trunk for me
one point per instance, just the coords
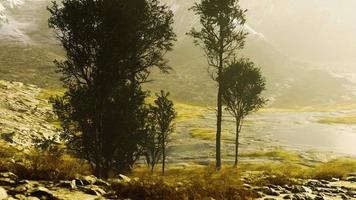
(163, 157)
(237, 142)
(219, 104)
(218, 130)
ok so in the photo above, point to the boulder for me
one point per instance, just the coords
(3, 194)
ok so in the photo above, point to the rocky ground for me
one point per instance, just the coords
(24, 115)
(92, 188)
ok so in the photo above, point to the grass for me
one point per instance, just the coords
(186, 112)
(348, 120)
(275, 154)
(209, 134)
(46, 94)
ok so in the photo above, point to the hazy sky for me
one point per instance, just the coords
(311, 30)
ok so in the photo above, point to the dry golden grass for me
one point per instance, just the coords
(40, 165)
(190, 183)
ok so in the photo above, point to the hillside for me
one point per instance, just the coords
(28, 48)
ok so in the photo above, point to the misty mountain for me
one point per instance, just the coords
(28, 47)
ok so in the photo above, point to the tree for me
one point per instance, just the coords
(242, 85)
(221, 35)
(111, 47)
(161, 126)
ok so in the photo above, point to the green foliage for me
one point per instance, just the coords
(242, 84)
(160, 126)
(110, 46)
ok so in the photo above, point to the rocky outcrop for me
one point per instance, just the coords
(24, 114)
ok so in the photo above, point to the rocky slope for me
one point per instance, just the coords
(24, 115)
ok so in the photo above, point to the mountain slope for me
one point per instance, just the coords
(28, 47)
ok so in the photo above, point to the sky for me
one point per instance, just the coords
(322, 31)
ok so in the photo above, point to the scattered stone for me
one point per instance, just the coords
(9, 175)
(93, 190)
(351, 179)
(269, 191)
(344, 197)
(319, 197)
(124, 178)
(7, 182)
(68, 184)
(298, 189)
(42, 193)
(287, 197)
(334, 180)
(247, 186)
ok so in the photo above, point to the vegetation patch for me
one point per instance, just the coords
(348, 120)
(187, 112)
(275, 154)
(209, 134)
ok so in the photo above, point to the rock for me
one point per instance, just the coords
(319, 197)
(269, 198)
(344, 197)
(269, 191)
(20, 196)
(247, 186)
(314, 183)
(32, 198)
(124, 178)
(298, 189)
(334, 180)
(287, 197)
(21, 189)
(3, 194)
(351, 193)
(67, 184)
(93, 190)
(100, 182)
(42, 193)
(7, 182)
(351, 179)
(9, 175)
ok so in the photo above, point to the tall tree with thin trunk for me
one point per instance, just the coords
(242, 85)
(221, 34)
